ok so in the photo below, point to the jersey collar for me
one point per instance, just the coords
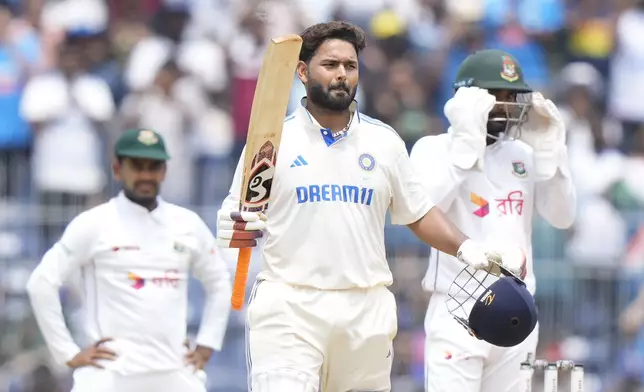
(327, 134)
(137, 210)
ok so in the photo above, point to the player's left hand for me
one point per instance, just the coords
(199, 357)
(545, 132)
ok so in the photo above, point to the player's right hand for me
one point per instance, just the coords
(473, 254)
(91, 355)
(237, 229)
(468, 112)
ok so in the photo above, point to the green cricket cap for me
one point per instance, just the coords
(491, 69)
(141, 143)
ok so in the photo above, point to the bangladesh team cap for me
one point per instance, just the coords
(505, 314)
(141, 143)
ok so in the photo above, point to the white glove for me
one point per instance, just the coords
(468, 113)
(473, 254)
(511, 257)
(237, 229)
(545, 132)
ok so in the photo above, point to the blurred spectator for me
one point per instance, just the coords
(67, 109)
(246, 51)
(626, 93)
(171, 106)
(101, 59)
(150, 53)
(599, 236)
(20, 57)
(591, 25)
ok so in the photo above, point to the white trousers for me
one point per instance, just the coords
(456, 361)
(89, 379)
(308, 340)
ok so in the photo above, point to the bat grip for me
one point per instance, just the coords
(241, 277)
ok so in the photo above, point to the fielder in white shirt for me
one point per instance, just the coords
(320, 316)
(490, 183)
(135, 254)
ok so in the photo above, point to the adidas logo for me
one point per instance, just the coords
(299, 161)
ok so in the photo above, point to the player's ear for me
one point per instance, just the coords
(164, 170)
(116, 169)
(302, 71)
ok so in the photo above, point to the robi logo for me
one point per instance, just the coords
(137, 281)
(484, 206)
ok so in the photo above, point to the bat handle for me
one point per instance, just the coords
(241, 277)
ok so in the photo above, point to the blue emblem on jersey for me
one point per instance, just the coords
(334, 193)
(366, 162)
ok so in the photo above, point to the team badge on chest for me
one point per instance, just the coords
(366, 162)
(518, 169)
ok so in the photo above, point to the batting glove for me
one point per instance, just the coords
(237, 229)
(468, 113)
(473, 254)
(511, 258)
(545, 132)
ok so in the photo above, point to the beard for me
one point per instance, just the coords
(336, 98)
(495, 128)
(147, 201)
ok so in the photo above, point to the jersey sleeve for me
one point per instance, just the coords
(442, 179)
(410, 200)
(212, 271)
(67, 255)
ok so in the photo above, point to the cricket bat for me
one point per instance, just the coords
(270, 103)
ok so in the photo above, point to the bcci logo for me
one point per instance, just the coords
(366, 162)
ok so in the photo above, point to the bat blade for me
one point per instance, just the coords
(270, 103)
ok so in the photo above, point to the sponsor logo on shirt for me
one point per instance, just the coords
(169, 279)
(125, 248)
(334, 193)
(482, 204)
(137, 282)
(512, 204)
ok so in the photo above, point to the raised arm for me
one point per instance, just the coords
(444, 162)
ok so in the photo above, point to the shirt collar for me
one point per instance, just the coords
(130, 207)
(327, 134)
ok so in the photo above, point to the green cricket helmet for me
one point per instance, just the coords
(498, 71)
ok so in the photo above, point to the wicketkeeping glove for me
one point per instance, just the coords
(468, 113)
(237, 229)
(545, 132)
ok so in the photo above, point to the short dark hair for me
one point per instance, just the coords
(317, 34)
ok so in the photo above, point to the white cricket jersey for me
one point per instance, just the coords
(135, 266)
(329, 201)
(495, 205)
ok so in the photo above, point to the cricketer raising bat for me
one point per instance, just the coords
(270, 103)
